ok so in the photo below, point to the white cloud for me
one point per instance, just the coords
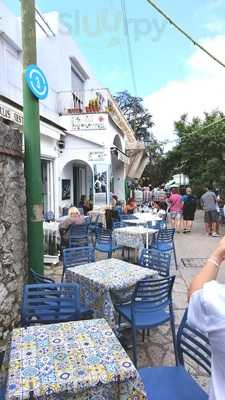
(203, 89)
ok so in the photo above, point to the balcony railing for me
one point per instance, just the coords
(88, 101)
(94, 101)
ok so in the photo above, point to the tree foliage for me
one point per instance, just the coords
(200, 151)
(134, 111)
(141, 122)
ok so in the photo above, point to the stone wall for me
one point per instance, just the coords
(13, 251)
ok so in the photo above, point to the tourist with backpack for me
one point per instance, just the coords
(189, 208)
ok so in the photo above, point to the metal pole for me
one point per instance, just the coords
(32, 143)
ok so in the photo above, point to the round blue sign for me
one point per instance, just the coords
(37, 81)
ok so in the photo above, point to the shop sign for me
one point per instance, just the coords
(8, 113)
(89, 122)
(96, 156)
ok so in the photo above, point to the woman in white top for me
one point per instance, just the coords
(206, 312)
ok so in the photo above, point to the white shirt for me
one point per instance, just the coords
(206, 312)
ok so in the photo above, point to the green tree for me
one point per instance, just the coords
(136, 114)
(200, 152)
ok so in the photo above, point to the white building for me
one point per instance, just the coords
(85, 138)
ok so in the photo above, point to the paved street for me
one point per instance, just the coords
(157, 348)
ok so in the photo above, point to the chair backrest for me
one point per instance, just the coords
(50, 303)
(77, 256)
(156, 224)
(118, 224)
(166, 235)
(38, 278)
(103, 236)
(193, 344)
(154, 293)
(128, 216)
(78, 235)
(49, 216)
(157, 260)
(78, 231)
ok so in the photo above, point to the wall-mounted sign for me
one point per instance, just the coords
(8, 113)
(89, 122)
(37, 81)
(96, 156)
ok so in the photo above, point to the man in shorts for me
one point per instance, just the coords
(208, 202)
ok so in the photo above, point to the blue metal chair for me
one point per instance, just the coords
(175, 383)
(156, 224)
(35, 277)
(49, 216)
(78, 235)
(165, 241)
(157, 260)
(77, 256)
(127, 216)
(118, 224)
(151, 306)
(94, 225)
(52, 303)
(2, 393)
(104, 242)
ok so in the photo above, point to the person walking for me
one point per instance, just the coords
(209, 204)
(206, 312)
(189, 208)
(176, 209)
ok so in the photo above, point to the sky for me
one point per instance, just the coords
(172, 76)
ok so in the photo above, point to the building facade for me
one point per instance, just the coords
(87, 146)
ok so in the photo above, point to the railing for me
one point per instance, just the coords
(88, 101)
(94, 101)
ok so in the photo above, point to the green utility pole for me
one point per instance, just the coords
(32, 143)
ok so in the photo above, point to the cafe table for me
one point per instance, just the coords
(106, 282)
(135, 237)
(79, 360)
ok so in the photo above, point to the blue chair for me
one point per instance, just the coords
(94, 225)
(151, 306)
(77, 256)
(78, 235)
(104, 242)
(118, 224)
(2, 393)
(157, 224)
(165, 242)
(175, 383)
(127, 216)
(52, 303)
(35, 277)
(157, 260)
(49, 216)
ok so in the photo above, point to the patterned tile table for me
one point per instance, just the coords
(133, 236)
(105, 282)
(75, 360)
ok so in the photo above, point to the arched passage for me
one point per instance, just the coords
(77, 180)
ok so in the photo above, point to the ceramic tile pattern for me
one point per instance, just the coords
(75, 360)
(105, 282)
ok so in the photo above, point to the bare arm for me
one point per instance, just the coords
(210, 270)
